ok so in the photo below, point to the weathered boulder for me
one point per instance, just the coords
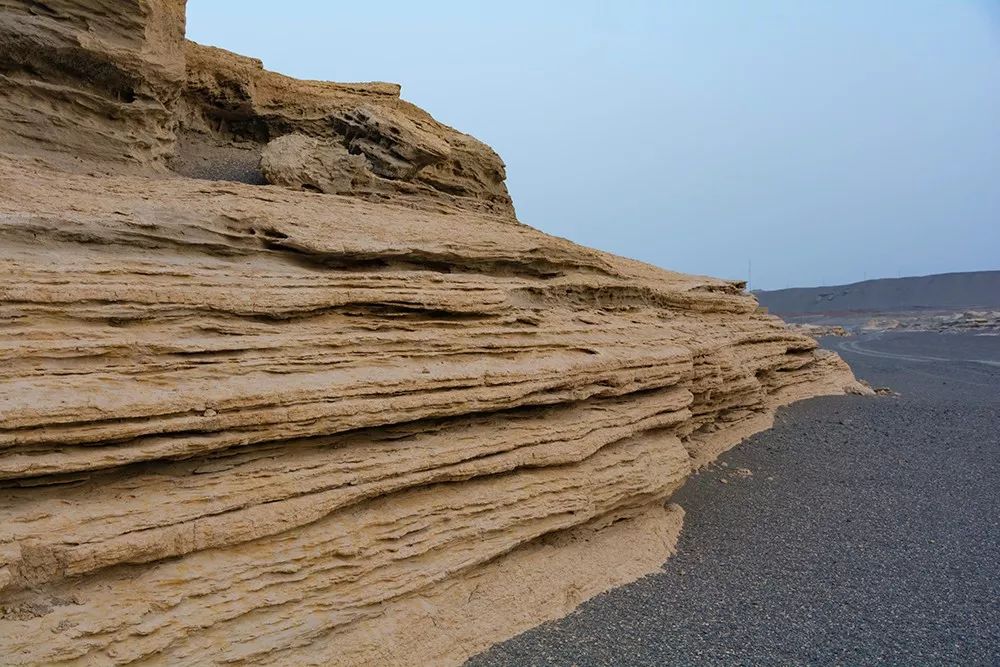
(301, 162)
(246, 423)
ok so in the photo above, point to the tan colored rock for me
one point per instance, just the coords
(91, 84)
(819, 330)
(233, 108)
(301, 162)
(971, 321)
(245, 423)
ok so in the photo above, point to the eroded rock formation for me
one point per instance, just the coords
(91, 81)
(249, 423)
(232, 108)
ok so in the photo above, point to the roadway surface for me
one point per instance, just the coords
(868, 533)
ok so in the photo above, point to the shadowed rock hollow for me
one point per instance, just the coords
(359, 416)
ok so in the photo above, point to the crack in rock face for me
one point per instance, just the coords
(284, 380)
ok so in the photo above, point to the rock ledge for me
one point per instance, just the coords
(382, 424)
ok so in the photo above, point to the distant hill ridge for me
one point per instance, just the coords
(943, 291)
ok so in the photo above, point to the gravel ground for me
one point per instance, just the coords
(868, 533)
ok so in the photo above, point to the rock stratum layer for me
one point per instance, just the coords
(377, 421)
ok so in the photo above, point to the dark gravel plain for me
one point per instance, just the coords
(868, 533)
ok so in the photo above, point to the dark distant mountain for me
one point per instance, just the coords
(944, 291)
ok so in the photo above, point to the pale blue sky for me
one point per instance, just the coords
(824, 140)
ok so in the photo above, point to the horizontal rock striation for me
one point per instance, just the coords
(380, 424)
(91, 83)
(233, 110)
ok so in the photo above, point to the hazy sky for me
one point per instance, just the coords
(822, 140)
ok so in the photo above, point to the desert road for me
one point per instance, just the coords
(868, 346)
(868, 532)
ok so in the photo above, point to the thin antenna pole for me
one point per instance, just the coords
(749, 275)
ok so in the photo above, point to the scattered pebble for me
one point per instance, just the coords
(870, 545)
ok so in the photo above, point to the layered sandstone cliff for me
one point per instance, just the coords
(360, 416)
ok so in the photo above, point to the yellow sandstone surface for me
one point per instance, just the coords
(359, 416)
